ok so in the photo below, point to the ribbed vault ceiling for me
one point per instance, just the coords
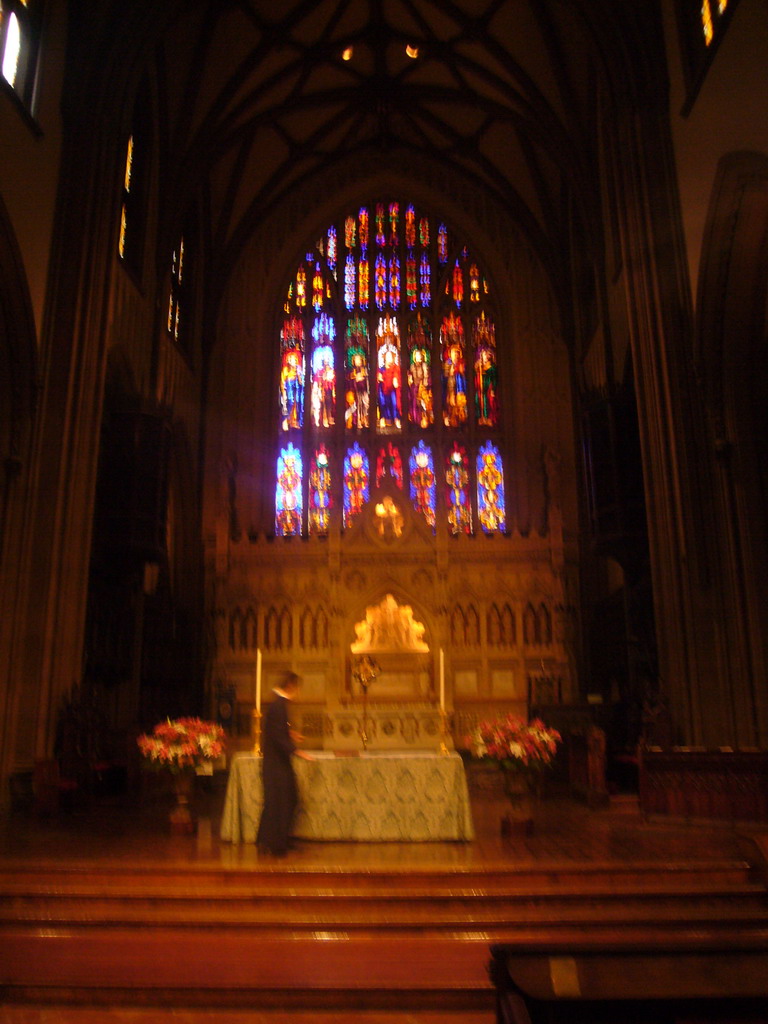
(258, 101)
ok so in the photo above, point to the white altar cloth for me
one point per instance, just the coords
(380, 795)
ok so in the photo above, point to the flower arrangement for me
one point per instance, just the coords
(516, 745)
(182, 744)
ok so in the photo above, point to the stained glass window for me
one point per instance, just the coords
(374, 348)
(292, 373)
(301, 287)
(388, 375)
(357, 394)
(323, 372)
(425, 278)
(318, 289)
(389, 465)
(363, 279)
(420, 411)
(474, 283)
(356, 482)
(394, 282)
(442, 244)
(423, 484)
(486, 374)
(458, 285)
(490, 489)
(457, 490)
(394, 215)
(454, 371)
(288, 497)
(350, 275)
(410, 226)
(331, 250)
(363, 218)
(381, 240)
(411, 282)
(380, 281)
(320, 492)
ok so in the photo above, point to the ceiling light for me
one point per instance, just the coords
(347, 53)
(412, 51)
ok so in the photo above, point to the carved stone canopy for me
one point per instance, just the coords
(389, 627)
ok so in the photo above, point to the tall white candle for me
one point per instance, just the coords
(258, 679)
(442, 680)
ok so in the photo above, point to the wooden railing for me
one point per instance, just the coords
(713, 785)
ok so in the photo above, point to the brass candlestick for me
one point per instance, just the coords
(443, 730)
(257, 716)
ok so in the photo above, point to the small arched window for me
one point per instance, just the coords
(702, 26)
(20, 30)
(135, 177)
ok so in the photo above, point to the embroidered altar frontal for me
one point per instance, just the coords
(396, 797)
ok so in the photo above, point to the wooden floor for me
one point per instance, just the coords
(566, 832)
(597, 848)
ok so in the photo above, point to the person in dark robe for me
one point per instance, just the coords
(281, 794)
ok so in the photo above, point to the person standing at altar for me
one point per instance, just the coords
(281, 794)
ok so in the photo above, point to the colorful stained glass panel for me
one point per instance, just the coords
(356, 482)
(491, 509)
(320, 501)
(419, 379)
(423, 483)
(288, 494)
(389, 375)
(486, 372)
(454, 371)
(457, 491)
(357, 391)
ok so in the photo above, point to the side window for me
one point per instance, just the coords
(135, 176)
(701, 25)
(20, 26)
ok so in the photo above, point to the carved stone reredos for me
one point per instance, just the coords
(389, 627)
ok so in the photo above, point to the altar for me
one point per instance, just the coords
(369, 797)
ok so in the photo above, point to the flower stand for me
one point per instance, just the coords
(181, 818)
(521, 800)
(182, 746)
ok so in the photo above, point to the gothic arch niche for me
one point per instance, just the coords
(732, 330)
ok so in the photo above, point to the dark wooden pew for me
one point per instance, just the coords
(630, 985)
(706, 785)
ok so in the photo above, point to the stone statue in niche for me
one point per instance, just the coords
(389, 627)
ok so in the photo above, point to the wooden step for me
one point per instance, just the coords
(409, 881)
(235, 934)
